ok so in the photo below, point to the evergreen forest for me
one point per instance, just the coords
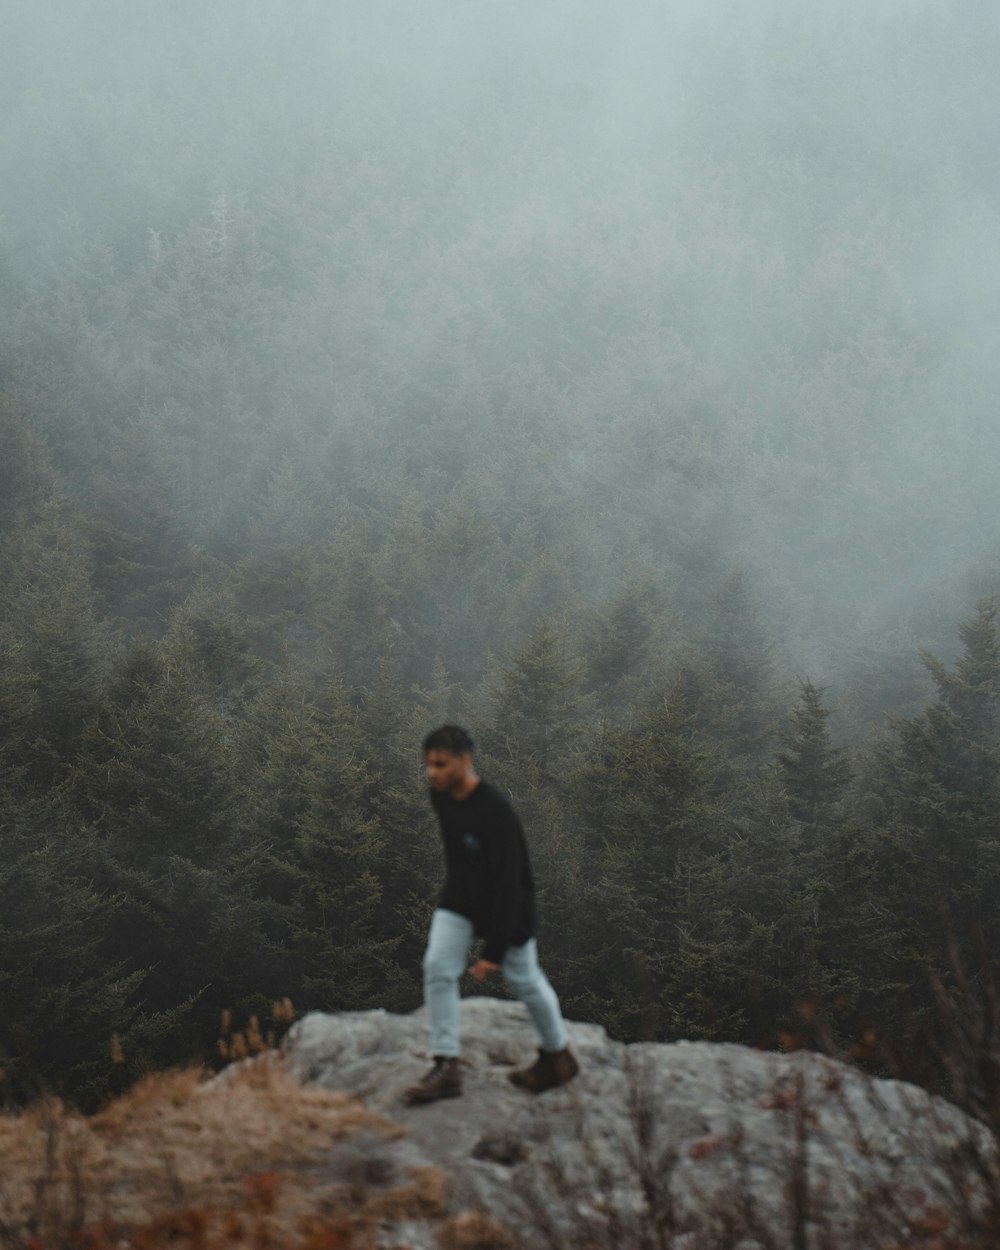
(617, 380)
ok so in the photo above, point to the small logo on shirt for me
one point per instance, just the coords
(471, 841)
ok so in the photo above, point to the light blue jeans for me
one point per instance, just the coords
(447, 957)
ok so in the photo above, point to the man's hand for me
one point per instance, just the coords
(482, 968)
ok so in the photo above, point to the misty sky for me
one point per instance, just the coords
(722, 272)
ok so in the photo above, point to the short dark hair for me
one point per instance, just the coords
(451, 738)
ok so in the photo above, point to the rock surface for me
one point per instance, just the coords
(689, 1145)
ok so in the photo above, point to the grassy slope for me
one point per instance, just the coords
(182, 1161)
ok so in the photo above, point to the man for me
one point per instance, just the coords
(489, 893)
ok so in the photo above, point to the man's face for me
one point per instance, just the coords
(445, 770)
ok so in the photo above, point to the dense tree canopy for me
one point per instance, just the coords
(624, 388)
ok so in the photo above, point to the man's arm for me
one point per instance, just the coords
(505, 874)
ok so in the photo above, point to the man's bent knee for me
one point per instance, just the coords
(441, 970)
(525, 985)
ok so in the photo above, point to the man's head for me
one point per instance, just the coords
(448, 760)
(451, 738)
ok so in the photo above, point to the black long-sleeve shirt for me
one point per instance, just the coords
(489, 878)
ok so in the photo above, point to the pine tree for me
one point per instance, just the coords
(27, 478)
(531, 727)
(62, 998)
(144, 558)
(643, 804)
(326, 863)
(18, 711)
(930, 838)
(761, 902)
(538, 711)
(48, 612)
(727, 680)
(813, 771)
(153, 771)
(216, 642)
(940, 781)
(626, 643)
(155, 778)
(392, 723)
(342, 937)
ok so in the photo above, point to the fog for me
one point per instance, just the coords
(559, 299)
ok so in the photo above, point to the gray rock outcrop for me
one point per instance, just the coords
(689, 1145)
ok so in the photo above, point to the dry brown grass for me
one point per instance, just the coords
(473, 1230)
(181, 1162)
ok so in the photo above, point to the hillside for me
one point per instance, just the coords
(667, 1146)
(616, 381)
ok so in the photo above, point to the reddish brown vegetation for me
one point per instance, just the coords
(184, 1163)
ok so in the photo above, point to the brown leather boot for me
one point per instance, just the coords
(444, 1080)
(551, 1068)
